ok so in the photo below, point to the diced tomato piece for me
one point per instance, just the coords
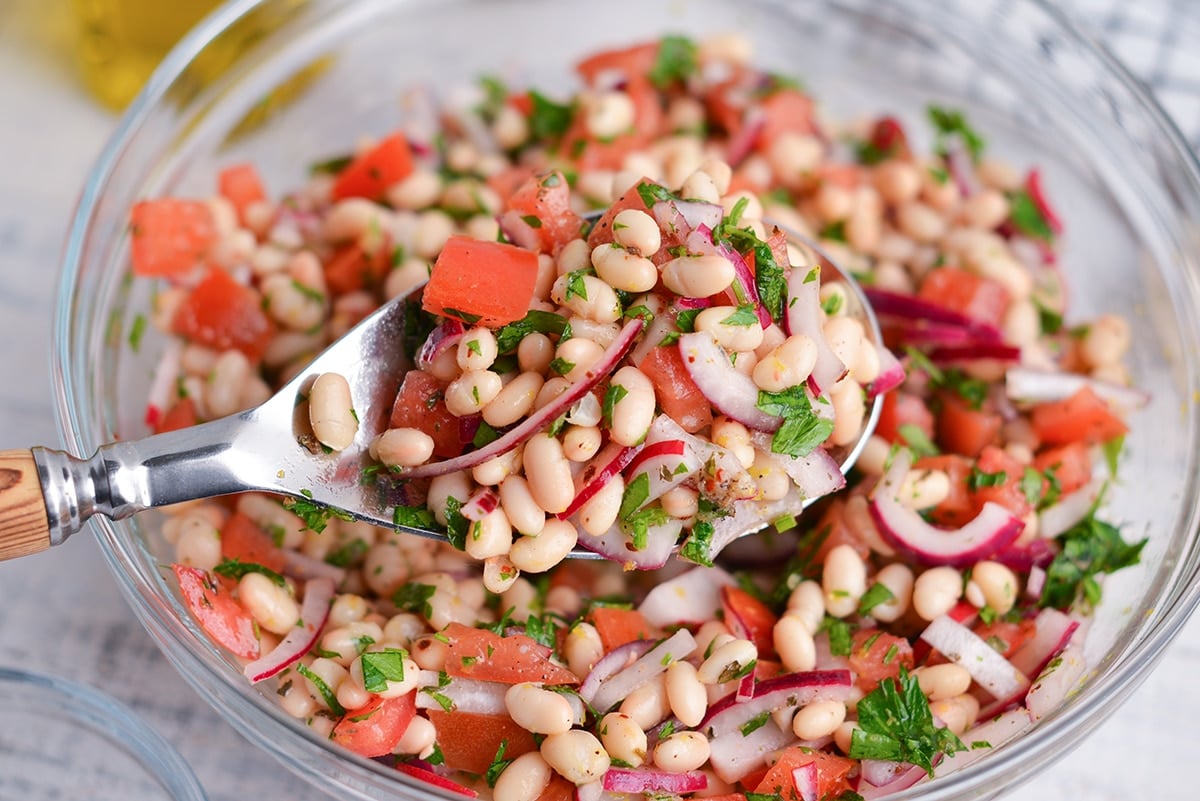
(375, 729)
(1083, 417)
(489, 283)
(834, 530)
(1006, 637)
(601, 233)
(221, 314)
(832, 771)
(436, 779)
(631, 62)
(677, 394)
(505, 182)
(959, 506)
(351, 269)
(486, 656)
(242, 186)
(170, 237)
(888, 138)
(221, 617)
(749, 618)
(785, 111)
(245, 540)
(902, 409)
(469, 741)
(964, 429)
(876, 655)
(979, 298)
(1071, 465)
(370, 173)
(996, 464)
(618, 626)
(544, 202)
(182, 414)
(421, 404)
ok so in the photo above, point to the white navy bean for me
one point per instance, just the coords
(844, 580)
(818, 719)
(537, 710)
(403, 447)
(936, 591)
(944, 681)
(681, 751)
(548, 473)
(491, 535)
(794, 643)
(525, 778)
(623, 738)
(576, 755)
(542, 551)
(331, 411)
(697, 276)
(686, 694)
(271, 605)
(514, 401)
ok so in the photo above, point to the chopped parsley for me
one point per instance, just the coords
(457, 525)
(698, 546)
(612, 396)
(548, 120)
(977, 479)
(894, 723)
(652, 193)
(875, 595)
(638, 524)
(840, 635)
(743, 315)
(534, 321)
(1088, 549)
(380, 667)
(562, 366)
(414, 597)
(949, 123)
(326, 693)
(755, 723)
(235, 568)
(349, 553)
(637, 492)
(413, 517)
(576, 287)
(136, 332)
(802, 430)
(674, 62)
(315, 516)
(499, 763)
(917, 440)
(1027, 217)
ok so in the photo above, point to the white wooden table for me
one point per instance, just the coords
(60, 611)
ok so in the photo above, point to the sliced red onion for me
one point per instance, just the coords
(603, 467)
(964, 647)
(1052, 634)
(518, 231)
(654, 662)
(1030, 385)
(539, 419)
(653, 780)
(162, 385)
(993, 529)
(995, 732)
(1070, 508)
(691, 597)
(1065, 674)
(815, 475)
(803, 315)
(910, 307)
(481, 503)
(790, 689)
(314, 611)
(685, 216)
(891, 373)
(667, 463)
(1033, 185)
(586, 411)
(826, 658)
(435, 779)
(693, 303)
(616, 545)
(1031, 555)
(659, 327)
(735, 755)
(745, 688)
(962, 170)
(744, 288)
(1035, 582)
(445, 335)
(731, 392)
(806, 779)
(971, 351)
(466, 695)
(901, 781)
(302, 566)
(923, 332)
(881, 772)
(752, 515)
(611, 663)
(742, 144)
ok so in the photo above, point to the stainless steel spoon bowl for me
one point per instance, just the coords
(47, 495)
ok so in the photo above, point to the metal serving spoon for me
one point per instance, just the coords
(46, 495)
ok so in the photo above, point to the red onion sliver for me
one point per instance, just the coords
(653, 780)
(482, 503)
(803, 316)
(611, 663)
(314, 611)
(616, 546)
(790, 689)
(1052, 686)
(611, 460)
(735, 755)
(806, 780)
(655, 661)
(302, 566)
(732, 392)
(446, 335)
(987, 667)
(162, 385)
(693, 596)
(995, 732)
(1030, 385)
(1052, 633)
(910, 307)
(542, 417)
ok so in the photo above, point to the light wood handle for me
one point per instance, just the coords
(24, 527)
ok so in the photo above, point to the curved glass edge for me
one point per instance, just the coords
(163, 620)
(112, 720)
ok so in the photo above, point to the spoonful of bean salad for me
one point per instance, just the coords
(665, 376)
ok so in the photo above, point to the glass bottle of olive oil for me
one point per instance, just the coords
(122, 41)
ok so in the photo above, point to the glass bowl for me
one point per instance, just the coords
(117, 756)
(287, 82)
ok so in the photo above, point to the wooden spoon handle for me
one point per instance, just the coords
(24, 526)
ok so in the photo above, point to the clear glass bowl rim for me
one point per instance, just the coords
(210, 675)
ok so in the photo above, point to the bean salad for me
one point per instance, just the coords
(626, 344)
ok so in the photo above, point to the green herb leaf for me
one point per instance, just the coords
(235, 568)
(548, 120)
(349, 553)
(802, 430)
(743, 315)
(534, 321)
(917, 440)
(380, 667)
(414, 597)
(561, 366)
(1027, 218)
(839, 632)
(457, 526)
(652, 193)
(894, 723)
(315, 516)
(326, 693)
(1088, 549)
(413, 516)
(499, 763)
(951, 122)
(638, 523)
(484, 434)
(674, 62)
(978, 479)
(875, 595)
(636, 493)
(755, 723)
(612, 396)
(698, 545)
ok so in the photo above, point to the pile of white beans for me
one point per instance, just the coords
(897, 219)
